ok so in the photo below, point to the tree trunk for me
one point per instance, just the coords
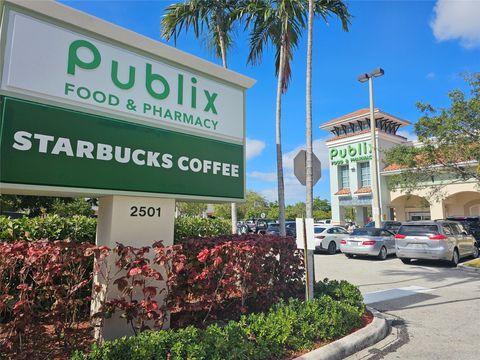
(308, 167)
(278, 139)
(224, 62)
(222, 48)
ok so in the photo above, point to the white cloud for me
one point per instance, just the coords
(254, 148)
(294, 191)
(431, 76)
(319, 148)
(457, 19)
(407, 134)
(263, 176)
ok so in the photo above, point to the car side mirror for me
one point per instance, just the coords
(464, 233)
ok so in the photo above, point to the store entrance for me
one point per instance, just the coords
(419, 215)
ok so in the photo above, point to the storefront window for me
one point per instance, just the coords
(364, 174)
(343, 176)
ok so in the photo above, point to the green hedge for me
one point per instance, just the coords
(190, 227)
(51, 227)
(285, 328)
(82, 228)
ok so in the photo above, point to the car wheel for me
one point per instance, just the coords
(244, 230)
(332, 248)
(405, 260)
(382, 255)
(455, 258)
(349, 256)
(475, 251)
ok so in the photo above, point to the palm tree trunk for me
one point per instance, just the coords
(308, 167)
(224, 62)
(222, 47)
(278, 139)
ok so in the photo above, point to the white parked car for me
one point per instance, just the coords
(328, 237)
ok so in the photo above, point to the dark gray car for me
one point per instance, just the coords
(390, 225)
(434, 240)
(290, 228)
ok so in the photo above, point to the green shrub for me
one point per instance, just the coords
(51, 227)
(83, 228)
(341, 291)
(285, 328)
(190, 227)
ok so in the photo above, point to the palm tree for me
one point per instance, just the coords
(324, 8)
(218, 19)
(279, 22)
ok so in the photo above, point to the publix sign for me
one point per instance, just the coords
(350, 153)
(100, 110)
(57, 64)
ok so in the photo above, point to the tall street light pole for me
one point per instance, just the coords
(376, 210)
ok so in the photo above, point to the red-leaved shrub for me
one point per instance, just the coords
(43, 280)
(236, 274)
(205, 279)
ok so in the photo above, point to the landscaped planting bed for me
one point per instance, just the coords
(286, 328)
(229, 297)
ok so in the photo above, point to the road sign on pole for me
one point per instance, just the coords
(300, 166)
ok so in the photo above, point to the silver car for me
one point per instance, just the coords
(369, 241)
(434, 240)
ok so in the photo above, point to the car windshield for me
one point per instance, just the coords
(367, 231)
(319, 230)
(418, 229)
(273, 226)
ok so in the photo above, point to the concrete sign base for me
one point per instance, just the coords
(131, 221)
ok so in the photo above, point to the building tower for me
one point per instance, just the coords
(350, 161)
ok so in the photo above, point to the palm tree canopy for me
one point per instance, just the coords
(277, 21)
(327, 8)
(214, 15)
(281, 22)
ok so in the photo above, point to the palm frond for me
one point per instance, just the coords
(328, 8)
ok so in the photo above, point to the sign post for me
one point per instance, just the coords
(88, 109)
(299, 169)
(306, 241)
(131, 221)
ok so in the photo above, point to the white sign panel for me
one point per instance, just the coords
(46, 61)
(310, 233)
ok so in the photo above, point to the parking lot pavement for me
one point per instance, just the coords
(434, 309)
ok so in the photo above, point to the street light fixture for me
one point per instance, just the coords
(376, 211)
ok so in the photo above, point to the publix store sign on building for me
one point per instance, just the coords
(100, 110)
(342, 155)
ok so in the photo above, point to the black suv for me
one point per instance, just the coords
(256, 226)
(390, 225)
(470, 223)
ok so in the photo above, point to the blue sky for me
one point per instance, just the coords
(424, 47)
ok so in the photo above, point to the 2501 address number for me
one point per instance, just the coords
(143, 211)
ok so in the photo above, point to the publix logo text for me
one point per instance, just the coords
(175, 98)
(351, 153)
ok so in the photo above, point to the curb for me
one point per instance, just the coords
(468, 269)
(377, 330)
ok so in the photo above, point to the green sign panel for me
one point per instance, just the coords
(341, 155)
(50, 146)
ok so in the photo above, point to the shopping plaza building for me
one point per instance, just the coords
(350, 161)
